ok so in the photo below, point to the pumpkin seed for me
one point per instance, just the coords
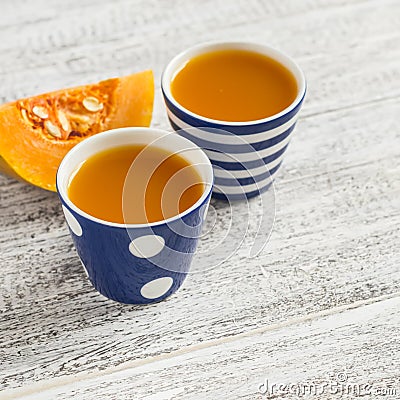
(63, 120)
(92, 104)
(40, 112)
(52, 129)
(25, 115)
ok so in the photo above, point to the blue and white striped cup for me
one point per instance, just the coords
(245, 155)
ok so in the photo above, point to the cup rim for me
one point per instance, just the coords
(62, 191)
(181, 58)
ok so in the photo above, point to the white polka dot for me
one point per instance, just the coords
(156, 288)
(72, 222)
(85, 269)
(146, 246)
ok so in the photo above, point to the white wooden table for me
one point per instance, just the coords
(321, 303)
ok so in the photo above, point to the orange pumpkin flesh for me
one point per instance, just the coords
(37, 132)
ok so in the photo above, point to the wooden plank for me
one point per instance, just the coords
(107, 44)
(343, 353)
(337, 195)
(332, 244)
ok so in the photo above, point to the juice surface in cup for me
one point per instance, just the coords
(158, 185)
(234, 85)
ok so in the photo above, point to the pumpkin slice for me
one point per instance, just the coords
(37, 132)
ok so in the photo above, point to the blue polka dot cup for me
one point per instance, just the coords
(135, 263)
(245, 155)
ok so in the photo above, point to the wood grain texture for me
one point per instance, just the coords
(337, 229)
(303, 270)
(288, 354)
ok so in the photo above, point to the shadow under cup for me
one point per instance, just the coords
(136, 263)
(245, 155)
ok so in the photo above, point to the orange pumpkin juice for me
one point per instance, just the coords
(135, 184)
(234, 85)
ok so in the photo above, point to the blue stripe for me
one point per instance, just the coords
(241, 196)
(233, 148)
(246, 129)
(242, 165)
(245, 181)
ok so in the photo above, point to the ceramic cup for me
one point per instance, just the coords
(245, 155)
(135, 263)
